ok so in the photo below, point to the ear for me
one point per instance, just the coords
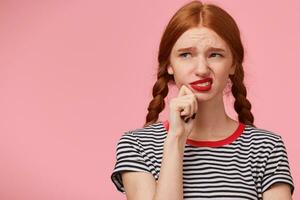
(232, 69)
(170, 70)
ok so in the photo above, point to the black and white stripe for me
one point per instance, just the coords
(243, 169)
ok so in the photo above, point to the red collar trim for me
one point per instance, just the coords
(217, 143)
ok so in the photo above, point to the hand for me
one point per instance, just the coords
(183, 109)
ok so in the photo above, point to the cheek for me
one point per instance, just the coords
(221, 74)
(181, 77)
(222, 69)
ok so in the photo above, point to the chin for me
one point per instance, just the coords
(203, 97)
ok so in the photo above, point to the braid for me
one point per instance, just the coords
(159, 92)
(241, 105)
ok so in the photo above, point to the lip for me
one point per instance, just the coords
(202, 81)
(201, 88)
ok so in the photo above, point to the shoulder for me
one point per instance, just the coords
(153, 132)
(260, 134)
(260, 140)
(156, 129)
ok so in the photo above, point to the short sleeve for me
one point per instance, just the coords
(128, 158)
(277, 168)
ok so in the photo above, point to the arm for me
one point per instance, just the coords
(278, 191)
(139, 185)
(170, 183)
(277, 182)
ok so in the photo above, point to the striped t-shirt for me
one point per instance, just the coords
(242, 166)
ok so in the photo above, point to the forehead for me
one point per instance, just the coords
(201, 38)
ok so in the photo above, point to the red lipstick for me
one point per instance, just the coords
(201, 88)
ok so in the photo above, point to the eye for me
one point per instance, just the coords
(216, 55)
(185, 55)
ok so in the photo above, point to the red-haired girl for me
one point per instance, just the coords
(200, 152)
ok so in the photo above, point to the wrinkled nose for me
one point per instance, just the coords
(202, 67)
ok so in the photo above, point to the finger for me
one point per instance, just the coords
(187, 120)
(195, 105)
(186, 112)
(184, 90)
(185, 107)
(194, 116)
(193, 100)
(187, 96)
(188, 90)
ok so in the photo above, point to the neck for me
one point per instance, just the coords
(212, 122)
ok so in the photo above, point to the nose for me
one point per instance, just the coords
(202, 67)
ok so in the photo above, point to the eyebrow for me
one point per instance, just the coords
(194, 49)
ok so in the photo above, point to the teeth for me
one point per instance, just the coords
(203, 84)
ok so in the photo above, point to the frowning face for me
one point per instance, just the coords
(199, 53)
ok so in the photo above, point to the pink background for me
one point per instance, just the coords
(74, 75)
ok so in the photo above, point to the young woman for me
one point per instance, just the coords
(200, 152)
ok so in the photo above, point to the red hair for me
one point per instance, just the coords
(211, 16)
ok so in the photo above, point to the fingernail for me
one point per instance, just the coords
(194, 115)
